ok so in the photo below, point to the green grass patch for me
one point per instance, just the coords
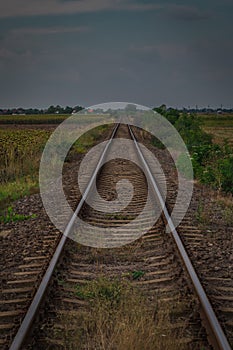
(17, 189)
(102, 289)
(137, 274)
(88, 139)
(11, 216)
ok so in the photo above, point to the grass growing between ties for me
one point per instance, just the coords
(137, 274)
(118, 317)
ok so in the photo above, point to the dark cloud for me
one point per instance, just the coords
(86, 52)
(11, 8)
(187, 13)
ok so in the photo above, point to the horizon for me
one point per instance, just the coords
(192, 107)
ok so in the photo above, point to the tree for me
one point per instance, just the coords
(130, 108)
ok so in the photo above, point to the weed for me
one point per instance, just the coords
(118, 317)
(101, 290)
(212, 163)
(61, 283)
(12, 191)
(88, 139)
(137, 274)
(200, 213)
(11, 216)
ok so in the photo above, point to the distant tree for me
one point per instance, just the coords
(51, 110)
(68, 110)
(78, 108)
(130, 108)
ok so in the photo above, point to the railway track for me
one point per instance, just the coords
(153, 264)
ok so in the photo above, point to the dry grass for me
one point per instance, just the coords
(119, 317)
(220, 126)
(221, 134)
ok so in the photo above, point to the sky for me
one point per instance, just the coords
(85, 52)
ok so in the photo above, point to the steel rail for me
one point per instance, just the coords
(27, 322)
(220, 338)
(217, 332)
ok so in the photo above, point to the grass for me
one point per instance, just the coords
(137, 274)
(222, 205)
(20, 154)
(88, 139)
(221, 134)
(11, 216)
(226, 209)
(219, 126)
(17, 189)
(118, 317)
(33, 119)
(201, 215)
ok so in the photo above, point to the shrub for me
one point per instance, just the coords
(212, 163)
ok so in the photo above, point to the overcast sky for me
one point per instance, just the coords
(85, 52)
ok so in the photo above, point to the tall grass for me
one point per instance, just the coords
(20, 154)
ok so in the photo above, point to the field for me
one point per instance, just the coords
(219, 126)
(22, 140)
(32, 119)
(20, 152)
(23, 137)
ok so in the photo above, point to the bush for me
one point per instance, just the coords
(226, 169)
(212, 164)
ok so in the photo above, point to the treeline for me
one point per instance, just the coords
(50, 110)
(197, 110)
(212, 163)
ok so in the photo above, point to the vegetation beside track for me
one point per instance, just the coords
(11, 216)
(212, 163)
(21, 150)
(20, 154)
(219, 126)
(33, 119)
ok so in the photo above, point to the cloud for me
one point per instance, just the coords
(168, 59)
(145, 54)
(186, 13)
(49, 30)
(24, 8)
(164, 50)
(17, 8)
